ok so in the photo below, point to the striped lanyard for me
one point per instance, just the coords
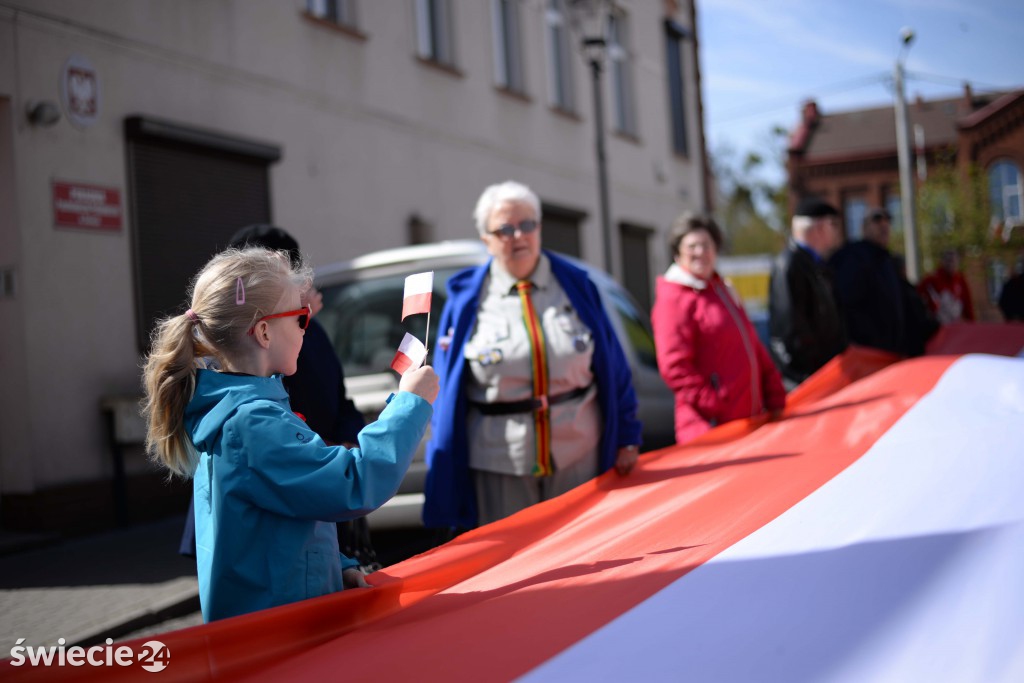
(539, 370)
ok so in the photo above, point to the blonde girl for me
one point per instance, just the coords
(268, 490)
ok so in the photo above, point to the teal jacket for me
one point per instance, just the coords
(268, 490)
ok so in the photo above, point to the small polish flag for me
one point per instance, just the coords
(411, 353)
(418, 289)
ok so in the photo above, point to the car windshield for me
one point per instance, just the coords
(363, 320)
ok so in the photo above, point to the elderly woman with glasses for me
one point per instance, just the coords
(708, 352)
(537, 394)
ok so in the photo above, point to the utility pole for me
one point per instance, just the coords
(904, 154)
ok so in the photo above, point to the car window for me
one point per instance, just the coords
(363, 320)
(637, 328)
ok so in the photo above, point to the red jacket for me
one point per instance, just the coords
(947, 296)
(710, 355)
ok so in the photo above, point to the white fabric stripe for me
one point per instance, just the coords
(412, 347)
(419, 283)
(908, 566)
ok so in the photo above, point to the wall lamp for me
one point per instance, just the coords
(42, 113)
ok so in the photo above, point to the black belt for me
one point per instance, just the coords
(528, 405)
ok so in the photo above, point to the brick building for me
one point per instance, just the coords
(849, 158)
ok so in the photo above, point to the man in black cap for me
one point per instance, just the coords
(867, 287)
(804, 324)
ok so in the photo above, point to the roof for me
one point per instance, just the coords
(874, 130)
(869, 132)
(992, 109)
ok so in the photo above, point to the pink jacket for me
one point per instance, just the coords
(710, 355)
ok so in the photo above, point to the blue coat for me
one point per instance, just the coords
(268, 490)
(450, 497)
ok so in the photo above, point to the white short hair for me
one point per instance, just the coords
(802, 224)
(508, 191)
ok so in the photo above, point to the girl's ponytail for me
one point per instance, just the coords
(169, 379)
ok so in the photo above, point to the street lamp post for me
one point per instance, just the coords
(602, 168)
(590, 19)
(903, 153)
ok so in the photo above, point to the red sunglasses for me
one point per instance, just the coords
(304, 314)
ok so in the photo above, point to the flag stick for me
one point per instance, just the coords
(426, 338)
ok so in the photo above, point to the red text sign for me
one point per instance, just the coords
(76, 205)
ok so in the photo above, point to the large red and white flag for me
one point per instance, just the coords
(410, 354)
(874, 532)
(418, 290)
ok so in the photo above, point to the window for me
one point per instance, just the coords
(854, 210)
(562, 229)
(435, 41)
(341, 12)
(1004, 186)
(508, 48)
(636, 267)
(560, 83)
(674, 67)
(621, 70)
(894, 205)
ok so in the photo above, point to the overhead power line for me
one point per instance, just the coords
(758, 108)
(952, 80)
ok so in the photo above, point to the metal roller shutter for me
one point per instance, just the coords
(190, 190)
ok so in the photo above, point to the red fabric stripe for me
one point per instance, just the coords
(552, 574)
(498, 601)
(958, 338)
(400, 363)
(415, 303)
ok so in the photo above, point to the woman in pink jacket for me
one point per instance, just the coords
(708, 352)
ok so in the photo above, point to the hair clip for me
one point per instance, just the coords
(239, 291)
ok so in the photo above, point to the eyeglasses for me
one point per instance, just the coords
(881, 216)
(508, 231)
(304, 314)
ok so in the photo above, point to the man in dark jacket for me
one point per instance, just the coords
(867, 288)
(804, 324)
(1011, 298)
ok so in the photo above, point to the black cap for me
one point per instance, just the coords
(268, 237)
(812, 207)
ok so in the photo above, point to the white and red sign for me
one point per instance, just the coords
(90, 207)
(418, 290)
(411, 353)
(80, 91)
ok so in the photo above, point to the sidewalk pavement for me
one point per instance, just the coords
(113, 585)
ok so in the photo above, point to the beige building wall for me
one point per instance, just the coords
(370, 135)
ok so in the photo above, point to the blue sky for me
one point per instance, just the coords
(761, 59)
